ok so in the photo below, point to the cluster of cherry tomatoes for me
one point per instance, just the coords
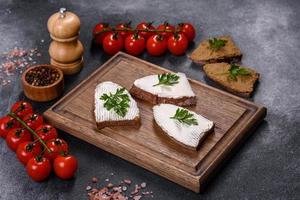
(145, 36)
(39, 152)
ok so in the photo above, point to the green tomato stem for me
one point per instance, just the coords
(136, 30)
(13, 115)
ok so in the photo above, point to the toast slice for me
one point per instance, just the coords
(187, 135)
(241, 86)
(203, 54)
(106, 115)
(181, 93)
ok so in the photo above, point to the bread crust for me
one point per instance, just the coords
(155, 99)
(181, 144)
(136, 122)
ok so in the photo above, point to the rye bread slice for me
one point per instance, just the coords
(157, 95)
(136, 122)
(108, 118)
(243, 86)
(155, 99)
(188, 136)
(229, 53)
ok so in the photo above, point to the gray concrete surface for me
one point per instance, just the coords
(267, 166)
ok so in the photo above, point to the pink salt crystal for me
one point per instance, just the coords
(95, 180)
(138, 197)
(143, 185)
(9, 66)
(127, 181)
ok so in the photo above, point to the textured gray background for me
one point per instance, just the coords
(266, 166)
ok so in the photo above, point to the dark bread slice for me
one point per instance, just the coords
(204, 55)
(155, 99)
(243, 86)
(136, 122)
(173, 140)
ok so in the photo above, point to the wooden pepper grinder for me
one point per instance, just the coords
(65, 50)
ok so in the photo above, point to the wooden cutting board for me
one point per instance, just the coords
(234, 119)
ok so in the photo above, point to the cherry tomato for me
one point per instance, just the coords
(135, 44)
(157, 45)
(124, 34)
(145, 26)
(166, 26)
(46, 132)
(57, 146)
(100, 27)
(17, 136)
(7, 123)
(28, 150)
(188, 29)
(65, 166)
(113, 43)
(33, 120)
(21, 109)
(177, 44)
(38, 168)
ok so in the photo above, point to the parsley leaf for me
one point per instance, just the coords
(184, 116)
(236, 70)
(216, 44)
(119, 101)
(167, 79)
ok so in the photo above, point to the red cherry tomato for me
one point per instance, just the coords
(39, 168)
(21, 109)
(157, 45)
(100, 27)
(113, 43)
(28, 150)
(178, 44)
(145, 26)
(166, 26)
(124, 34)
(46, 132)
(65, 166)
(188, 29)
(135, 44)
(7, 123)
(17, 136)
(33, 120)
(57, 146)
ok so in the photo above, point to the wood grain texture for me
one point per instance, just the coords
(147, 147)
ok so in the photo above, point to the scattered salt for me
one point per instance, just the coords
(14, 61)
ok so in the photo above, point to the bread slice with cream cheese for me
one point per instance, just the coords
(188, 135)
(148, 89)
(107, 115)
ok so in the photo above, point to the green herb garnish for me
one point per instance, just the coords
(184, 116)
(167, 79)
(216, 44)
(236, 70)
(118, 101)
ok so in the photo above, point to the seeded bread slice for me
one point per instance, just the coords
(243, 86)
(229, 53)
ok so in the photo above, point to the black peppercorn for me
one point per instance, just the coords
(42, 76)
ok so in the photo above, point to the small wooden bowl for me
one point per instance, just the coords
(43, 93)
